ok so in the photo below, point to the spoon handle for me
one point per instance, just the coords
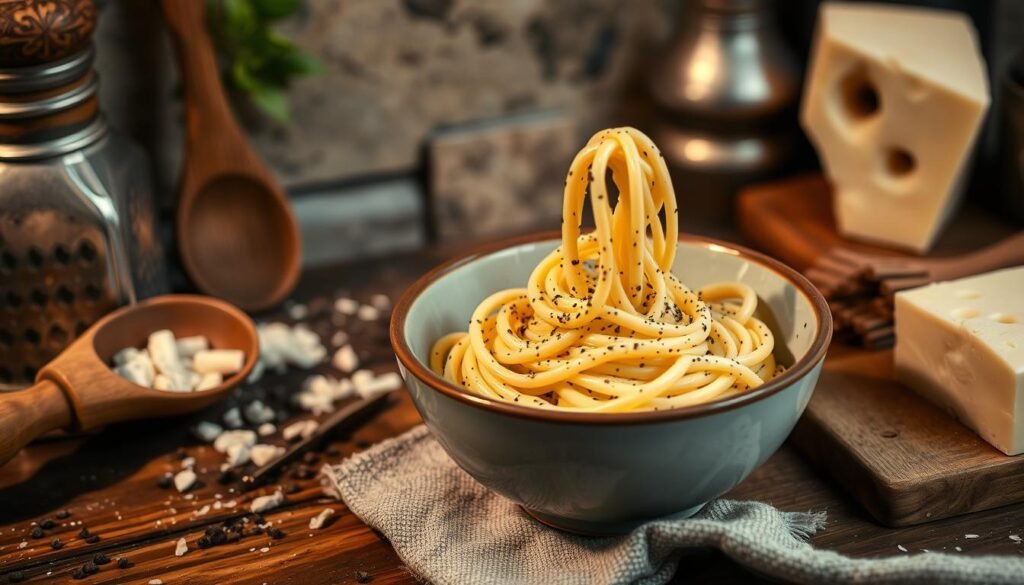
(27, 414)
(210, 126)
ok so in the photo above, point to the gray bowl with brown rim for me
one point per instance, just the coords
(608, 473)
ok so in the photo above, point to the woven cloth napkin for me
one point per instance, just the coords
(449, 529)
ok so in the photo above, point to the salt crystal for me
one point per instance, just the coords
(368, 386)
(257, 371)
(233, 418)
(237, 454)
(317, 522)
(208, 381)
(228, 438)
(362, 379)
(219, 361)
(368, 313)
(258, 413)
(970, 536)
(180, 548)
(266, 429)
(307, 357)
(305, 337)
(191, 345)
(203, 511)
(264, 503)
(156, 582)
(126, 355)
(184, 480)
(265, 549)
(339, 338)
(298, 311)
(901, 547)
(207, 431)
(163, 350)
(958, 549)
(303, 428)
(346, 306)
(380, 301)
(345, 359)
(188, 462)
(263, 454)
(1015, 537)
(343, 389)
(138, 371)
(315, 403)
(162, 382)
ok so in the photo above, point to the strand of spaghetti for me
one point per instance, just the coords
(603, 325)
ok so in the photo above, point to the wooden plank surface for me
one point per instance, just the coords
(905, 460)
(108, 482)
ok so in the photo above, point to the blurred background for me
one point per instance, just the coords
(446, 120)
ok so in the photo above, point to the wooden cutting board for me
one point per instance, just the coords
(904, 460)
(792, 220)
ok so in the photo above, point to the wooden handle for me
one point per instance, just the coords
(210, 125)
(27, 414)
(1003, 254)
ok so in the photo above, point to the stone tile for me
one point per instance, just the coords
(500, 178)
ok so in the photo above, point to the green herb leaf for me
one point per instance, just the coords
(259, 61)
(273, 102)
(276, 9)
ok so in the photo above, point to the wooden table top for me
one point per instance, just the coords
(108, 483)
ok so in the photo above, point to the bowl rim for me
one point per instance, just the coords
(815, 353)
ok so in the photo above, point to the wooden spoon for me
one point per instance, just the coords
(236, 232)
(79, 390)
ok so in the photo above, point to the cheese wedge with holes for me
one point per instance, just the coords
(893, 102)
(961, 345)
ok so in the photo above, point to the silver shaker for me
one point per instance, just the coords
(727, 89)
(78, 233)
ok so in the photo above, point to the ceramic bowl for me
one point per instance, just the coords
(608, 473)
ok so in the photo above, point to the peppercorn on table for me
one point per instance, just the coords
(100, 508)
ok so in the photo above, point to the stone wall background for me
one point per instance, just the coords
(396, 70)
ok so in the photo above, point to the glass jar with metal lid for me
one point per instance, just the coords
(78, 230)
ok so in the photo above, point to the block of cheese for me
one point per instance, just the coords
(961, 345)
(893, 102)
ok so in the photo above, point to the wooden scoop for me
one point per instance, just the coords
(79, 390)
(236, 232)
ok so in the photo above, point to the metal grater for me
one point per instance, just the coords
(77, 227)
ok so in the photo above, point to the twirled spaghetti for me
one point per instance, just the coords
(603, 325)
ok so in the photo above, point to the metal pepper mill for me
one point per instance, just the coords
(727, 89)
(78, 231)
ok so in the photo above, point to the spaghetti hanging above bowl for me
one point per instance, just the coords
(603, 325)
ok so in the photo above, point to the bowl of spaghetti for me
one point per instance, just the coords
(604, 378)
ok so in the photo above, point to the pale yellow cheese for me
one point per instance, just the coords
(893, 102)
(961, 345)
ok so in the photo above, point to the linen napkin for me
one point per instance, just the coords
(449, 529)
